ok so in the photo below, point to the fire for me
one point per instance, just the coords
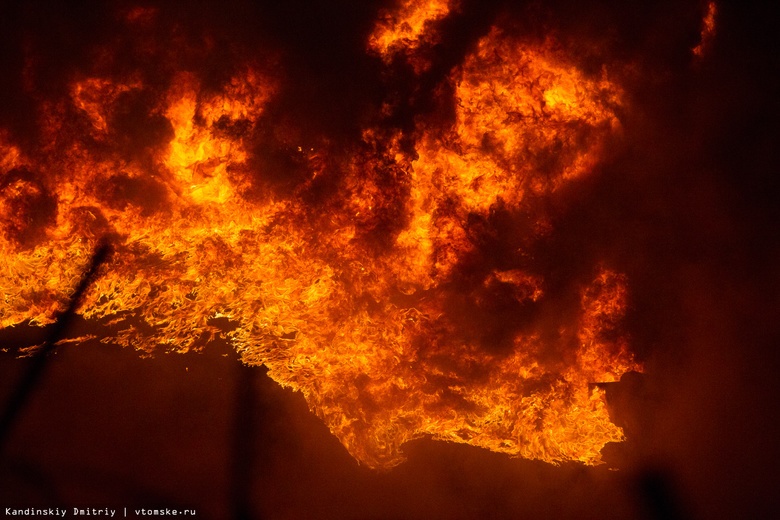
(408, 28)
(408, 25)
(707, 30)
(386, 302)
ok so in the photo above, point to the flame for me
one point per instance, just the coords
(708, 30)
(380, 304)
(407, 28)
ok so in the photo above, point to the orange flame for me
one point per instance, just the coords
(362, 307)
(408, 28)
(707, 30)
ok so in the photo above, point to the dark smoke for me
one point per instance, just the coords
(685, 203)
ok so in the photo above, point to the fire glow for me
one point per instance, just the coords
(383, 302)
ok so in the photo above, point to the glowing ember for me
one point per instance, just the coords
(383, 302)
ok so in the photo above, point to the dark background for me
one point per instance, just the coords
(686, 207)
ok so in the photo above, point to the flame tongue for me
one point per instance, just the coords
(401, 304)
